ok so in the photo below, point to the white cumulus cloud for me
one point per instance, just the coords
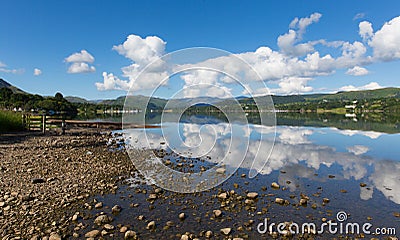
(369, 86)
(111, 82)
(81, 67)
(365, 30)
(82, 56)
(291, 67)
(142, 51)
(79, 62)
(37, 72)
(4, 68)
(357, 71)
(385, 42)
(288, 42)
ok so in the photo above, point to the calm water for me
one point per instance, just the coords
(319, 161)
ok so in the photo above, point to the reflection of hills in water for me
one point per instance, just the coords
(375, 122)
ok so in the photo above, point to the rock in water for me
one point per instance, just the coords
(222, 196)
(217, 213)
(130, 235)
(98, 205)
(303, 201)
(252, 195)
(275, 185)
(279, 200)
(226, 231)
(151, 225)
(123, 229)
(116, 209)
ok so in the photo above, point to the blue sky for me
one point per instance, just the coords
(44, 35)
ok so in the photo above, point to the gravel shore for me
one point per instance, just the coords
(45, 180)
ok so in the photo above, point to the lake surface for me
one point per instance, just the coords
(356, 167)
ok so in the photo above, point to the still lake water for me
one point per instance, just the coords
(330, 161)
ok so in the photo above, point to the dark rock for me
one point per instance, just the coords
(37, 180)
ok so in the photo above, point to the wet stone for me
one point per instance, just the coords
(226, 231)
(252, 195)
(37, 180)
(92, 234)
(275, 185)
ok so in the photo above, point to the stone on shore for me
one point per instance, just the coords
(102, 219)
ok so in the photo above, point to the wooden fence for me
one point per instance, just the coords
(45, 123)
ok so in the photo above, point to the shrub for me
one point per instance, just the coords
(10, 121)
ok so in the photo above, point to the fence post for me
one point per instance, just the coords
(44, 124)
(24, 120)
(63, 126)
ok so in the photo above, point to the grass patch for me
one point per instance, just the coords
(10, 122)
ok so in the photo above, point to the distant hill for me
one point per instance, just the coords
(139, 102)
(76, 99)
(4, 84)
(340, 96)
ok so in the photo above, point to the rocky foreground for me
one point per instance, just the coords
(44, 180)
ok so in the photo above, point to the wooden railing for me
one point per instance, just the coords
(43, 123)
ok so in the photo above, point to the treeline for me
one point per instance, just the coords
(390, 105)
(36, 103)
